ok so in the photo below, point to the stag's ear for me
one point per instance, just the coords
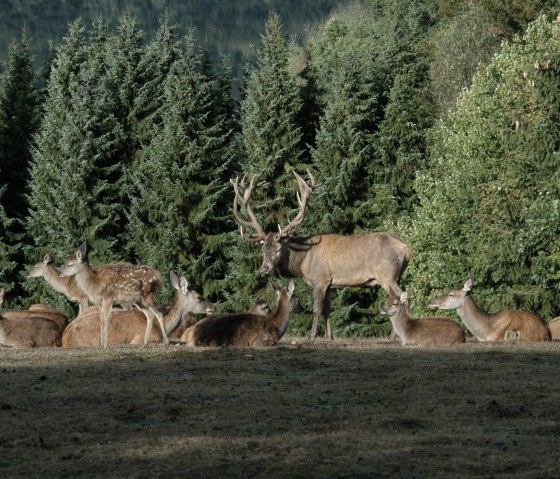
(174, 280)
(469, 283)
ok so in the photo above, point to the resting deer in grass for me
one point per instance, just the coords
(121, 284)
(63, 284)
(243, 329)
(491, 326)
(432, 331)
(40, 311)
(30, 331)
(128, 327)
(324, 261)
(554, 326)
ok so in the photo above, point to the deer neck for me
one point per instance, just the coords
(294, 250)
(281, 317)
(86, 281)
(173, 317)
(52, 276)
(401, 321)
(477, 321)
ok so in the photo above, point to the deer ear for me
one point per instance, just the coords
(469, 283)
(174, 280)
(274, 285)
(184, 284)
(391, 291)
(82, 250)
(291, 288)
(47, 258)
(404, 297)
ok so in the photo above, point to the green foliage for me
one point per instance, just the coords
(489, 202)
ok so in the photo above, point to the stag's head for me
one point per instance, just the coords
(272, 243)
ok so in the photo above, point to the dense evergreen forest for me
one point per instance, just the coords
(436, 120)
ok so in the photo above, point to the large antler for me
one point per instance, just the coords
(244, 200)
(302, 196)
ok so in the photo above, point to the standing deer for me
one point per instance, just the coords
(431, 331)
(63, 284)
(119, 283)
(128, 327)
(324, 261)
(244, 329)
(491, 326)
(30, 331)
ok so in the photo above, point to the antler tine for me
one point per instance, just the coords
(302, 195)
(244, 199)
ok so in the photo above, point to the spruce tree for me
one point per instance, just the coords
(181, 179)
(19, 102)
(272, 147)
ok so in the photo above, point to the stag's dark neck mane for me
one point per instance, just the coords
(294, 250)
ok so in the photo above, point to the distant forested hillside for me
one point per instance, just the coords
(228, 27)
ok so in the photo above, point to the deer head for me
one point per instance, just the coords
(75, 263)
(40, 268)
(271, 242)
(190, 299)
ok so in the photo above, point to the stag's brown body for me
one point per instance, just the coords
(325, 261)
(243, 329)
(128, 327)
(30, 331)
(491, 326)
(430, 331)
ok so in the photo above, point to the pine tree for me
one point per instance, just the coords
(7, 252)
(181, 179)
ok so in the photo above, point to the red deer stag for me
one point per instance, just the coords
(128, 327)
(324, 261)
(118, 283)
(30, 331)
(420, 331)
(491, 326)
(244, 329)
(63, 284)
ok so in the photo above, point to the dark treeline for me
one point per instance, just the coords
(437, 121)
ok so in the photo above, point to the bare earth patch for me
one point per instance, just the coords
(344, 409)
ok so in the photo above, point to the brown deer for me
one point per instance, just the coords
(243, 329)
(554, 326)
(121, 284)
(491, 326)
(30, 331)
(324, 261)
(128, 327)
(40, 311)
(432, 331)
(63, 284)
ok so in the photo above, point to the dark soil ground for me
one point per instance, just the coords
(342, 409)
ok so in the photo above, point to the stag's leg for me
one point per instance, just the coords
(318, 301)
(104, 318)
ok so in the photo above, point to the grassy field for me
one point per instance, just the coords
(344, 409)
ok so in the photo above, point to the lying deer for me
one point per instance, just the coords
(491, 326)
(243, 329)
(118, 283)
(28, 332)
(41, 311)
(554, 326)
(63, 284)
(128, 327)
(432, 331)
(323, 261)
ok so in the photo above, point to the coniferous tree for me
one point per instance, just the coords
(272, 148)
(181, 179)
(19, 100)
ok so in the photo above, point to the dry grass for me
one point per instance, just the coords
(351, 408)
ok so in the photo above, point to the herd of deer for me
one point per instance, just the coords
(124, 295)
